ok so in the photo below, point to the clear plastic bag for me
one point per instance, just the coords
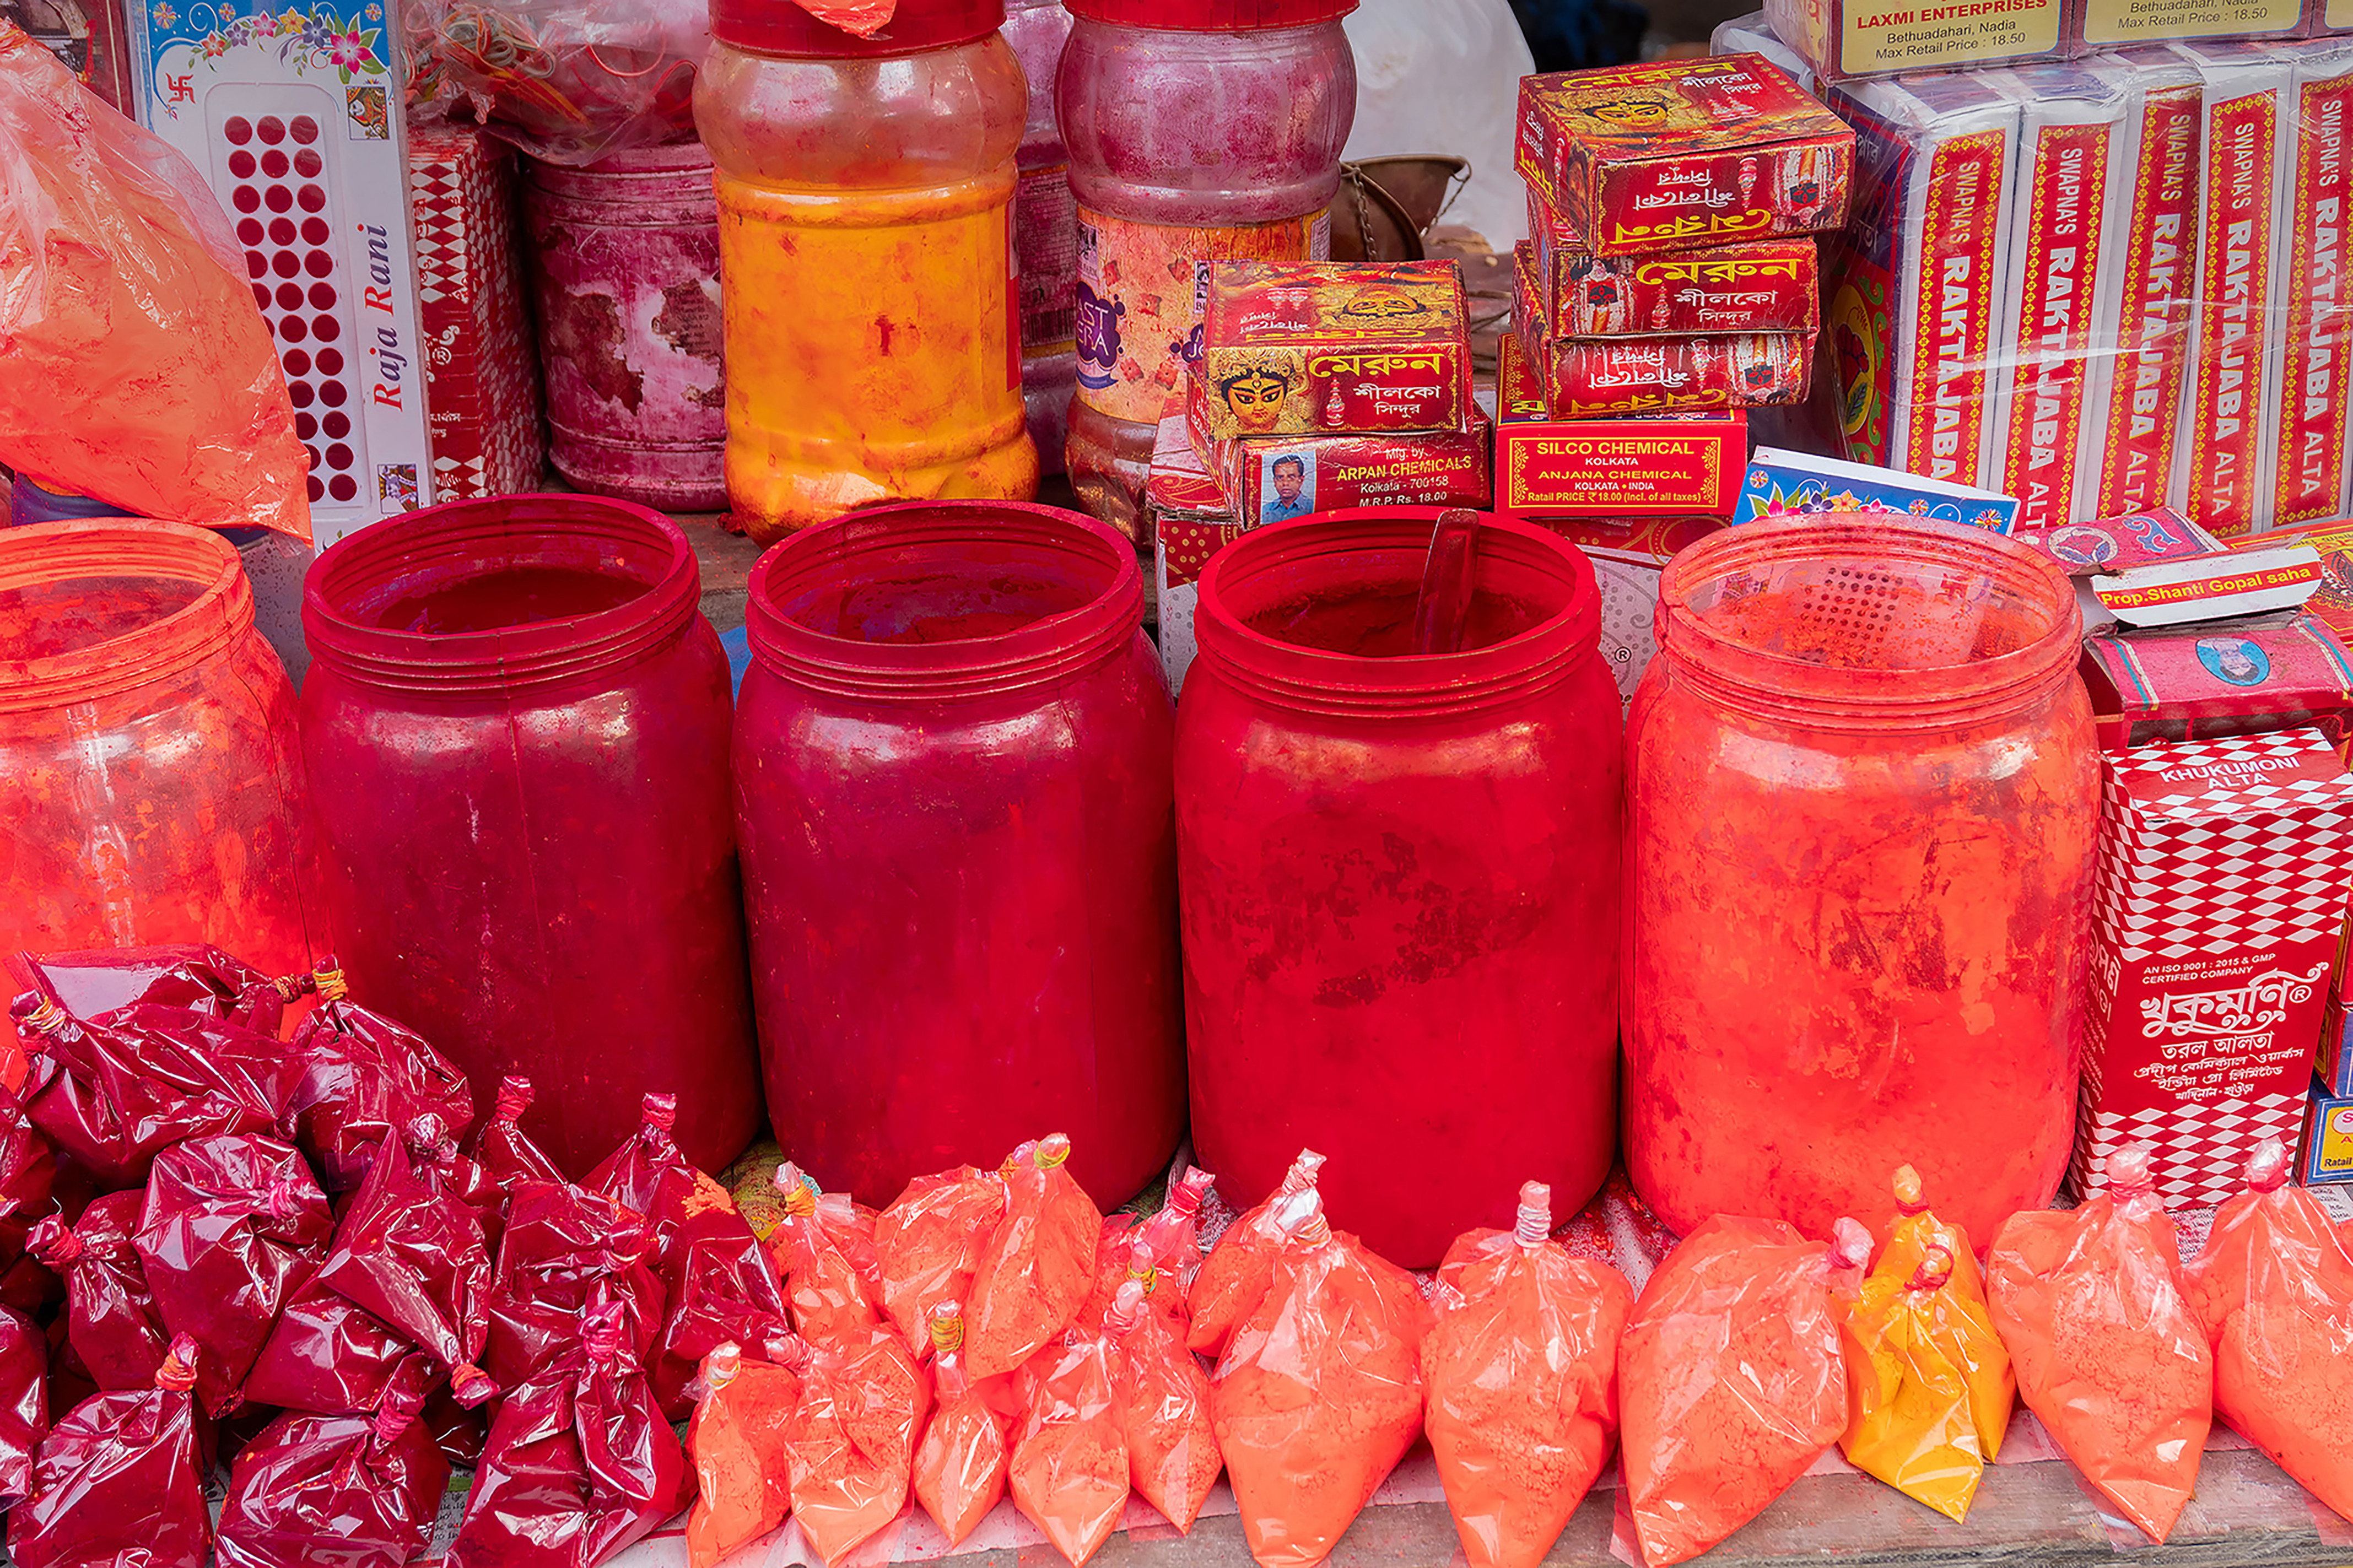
(1318, 1395)
(929, 1242)
(851, 1446)
(2273, 1290)
(1730, 1378)
(1039, 1265)
(743, 1415)
(1519, 1372)
(1068, 1471)
(140, 371)
(960, 1465)
(2095, 1313)
(1162, 1398)
(569, 81)
(817, 1238)
(1235, 1275)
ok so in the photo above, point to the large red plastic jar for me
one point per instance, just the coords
(151, 784)
(1401, 878)
(516, 721)
(1197, 129)
(952, 784)
(1863, 799)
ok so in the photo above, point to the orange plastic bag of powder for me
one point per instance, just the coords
(2095, 1313)
(140, 371)
(960, 1464)
(1235, 1275)
(817, 1237)
(928, 1244)
(1038, 1264)
(1520, 1380)
(1070, 1467)
(1163, 1399)
(1918, 1233)
(2273, 1290)
(1730, 1379)
(850, 1445)
(1319, 1392)
(737, 1442)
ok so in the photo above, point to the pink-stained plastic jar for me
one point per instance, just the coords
(952, 784)
(1401, 878)
(1197, 129)
(518, 719)
(1863, 801)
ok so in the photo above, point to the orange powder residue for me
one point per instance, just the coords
(1038, 1264)
(1163, 1400)
(737, 1443)
(2273, 1290)
(1069, 1469)
(1730, 1378)
(2095, 1313)
(960, 1464)
(1521, 1379)
(928, 1246)
(1319, 1394)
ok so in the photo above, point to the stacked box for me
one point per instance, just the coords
(481, 365)
(1548, 469)
(2315, 469)
(2224, 462)
(1841, 39)
(1190, 522)
(1751, 34)
(1916, 281)
(2222, 887)
(2148, 310)
(2328, 1138)
(2071, 143)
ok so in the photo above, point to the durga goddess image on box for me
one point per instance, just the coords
(1255, 388)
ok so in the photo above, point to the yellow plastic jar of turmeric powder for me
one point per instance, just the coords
(866, 259)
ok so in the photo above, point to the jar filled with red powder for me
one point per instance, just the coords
(1863, 799)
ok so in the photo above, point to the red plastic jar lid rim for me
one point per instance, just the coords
(1320, 681)
(783, 27)
(1211, 16)
(445, 545)
(120, 547)
(1740, 675)
(937, 538)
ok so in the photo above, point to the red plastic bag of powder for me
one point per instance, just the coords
(1235, 1276)
(927, 1245)
(139, 370)
(580, 1463)
(1730, 1378)
(503, 1150)
(24, 1403)
(29, 1185)
(1519, 1372)
(334, 1491)
(116, 1481)
(1161, 1397)
(816, 1238)
(1318, 1395)
(1069, 1466)
(112, 1323)
(197, 976)
(647, 1173)
(720, 1289)
(362, 1078)
(851, 1446)
(960, 1465)
(326, 1356)
(2095, 1313)
(409, 1252)
(566, 1249)
(2273, 1290)
(743, 1414)
(232, 1226)
(1040, 1262)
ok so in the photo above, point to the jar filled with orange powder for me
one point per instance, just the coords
(865, 198)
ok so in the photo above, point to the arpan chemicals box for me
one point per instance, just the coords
(2221, 890)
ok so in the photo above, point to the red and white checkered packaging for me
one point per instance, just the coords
(2222, 887)
(2224, 462)
(482, 369)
